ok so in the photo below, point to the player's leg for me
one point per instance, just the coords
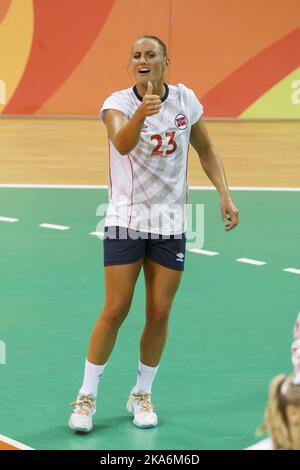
(161, 286)
(119, 283)
(123, 258)
(119, 287)
(163, 267)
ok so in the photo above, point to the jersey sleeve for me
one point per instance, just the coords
(196, 108)
(114, 101)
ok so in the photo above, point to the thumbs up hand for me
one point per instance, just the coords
(151, 104)
(149, 89)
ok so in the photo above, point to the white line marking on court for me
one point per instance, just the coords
(14, 443)
(103, 186)
(203, 252)
(292, 270)
(251, 261)
(54, 227)
(97, 234)
(8, 219)
(101, 234)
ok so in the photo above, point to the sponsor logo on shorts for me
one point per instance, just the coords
(180, 257)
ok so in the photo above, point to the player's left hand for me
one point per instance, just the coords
(229, 213)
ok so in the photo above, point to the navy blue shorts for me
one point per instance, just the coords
(124, 246)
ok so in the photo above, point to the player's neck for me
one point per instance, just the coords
(158, 89)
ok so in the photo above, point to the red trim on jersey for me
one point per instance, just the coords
(186, 173)
(109, 166)
(132, 178)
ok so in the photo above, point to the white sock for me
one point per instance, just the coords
(92, 375)
(145, 377)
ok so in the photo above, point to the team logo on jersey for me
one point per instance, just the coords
(181, 121)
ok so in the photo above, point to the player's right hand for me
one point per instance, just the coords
(151, 104)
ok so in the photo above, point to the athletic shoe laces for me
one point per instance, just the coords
(145, 402)
(83, 405)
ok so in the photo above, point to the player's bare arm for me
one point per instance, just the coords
(213, 167)
(125, 133)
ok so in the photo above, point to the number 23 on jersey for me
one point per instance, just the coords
(171, 144)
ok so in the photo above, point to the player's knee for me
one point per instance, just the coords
(159, 313)
(115, 312)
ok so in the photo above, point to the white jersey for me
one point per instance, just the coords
(148, 187)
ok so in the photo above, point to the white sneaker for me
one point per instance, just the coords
(82, 416)
(142, 409)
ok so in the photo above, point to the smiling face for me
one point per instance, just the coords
(148, 61)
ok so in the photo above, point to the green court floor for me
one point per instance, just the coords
(230, 328)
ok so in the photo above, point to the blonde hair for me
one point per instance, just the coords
(282, 392)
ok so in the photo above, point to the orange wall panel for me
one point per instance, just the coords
(231, 52)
